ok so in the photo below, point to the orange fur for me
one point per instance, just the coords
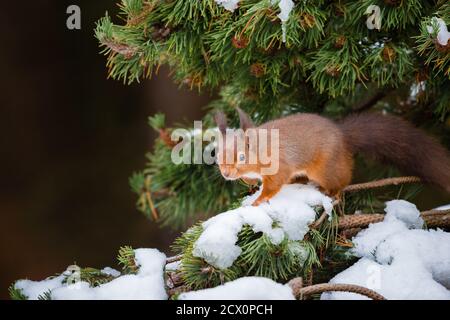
(321, 151)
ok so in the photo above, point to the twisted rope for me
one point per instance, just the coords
(368, 185)
(301, 292)
(432, 218)
(174, 258)
(381, 183)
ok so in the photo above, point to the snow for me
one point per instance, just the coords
(110, 272)
(299, 251)
(286, 7)
(291, 210)
(147, 284)
(416, 89)
(246, 288)
(404, 211)
(173, 266)
(149, 261)
(229, 5)
(366, 242)
(442, 35)
(398, 260)
(445, 207)
(33, 289)
(217, 242)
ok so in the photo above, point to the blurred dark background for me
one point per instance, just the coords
(70, 140)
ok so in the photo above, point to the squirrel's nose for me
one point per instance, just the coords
(226, 172)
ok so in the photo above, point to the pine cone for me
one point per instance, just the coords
(251, 94)
(422, 75)
(297, 61)
(388, 54)
(160, 33)
(258, 69)
(193, 81)
(239, 42)
(340, 41)
(307, 21)
(439, 47)
(339, 10)
(333, 71)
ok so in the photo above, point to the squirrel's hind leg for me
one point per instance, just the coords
(299, 177)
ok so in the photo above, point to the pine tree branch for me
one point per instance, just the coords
(137, 19)
(123, 49)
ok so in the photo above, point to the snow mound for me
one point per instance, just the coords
(291, 210)
(442, 35)
(147, 284)
(110, 272)
(34, 289)
(229, 5)
(397, 260)
(173, 266)
(445, 207)
(246, 288)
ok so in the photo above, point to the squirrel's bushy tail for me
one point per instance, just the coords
(395, 141)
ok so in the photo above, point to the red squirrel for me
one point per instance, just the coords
(322, 151)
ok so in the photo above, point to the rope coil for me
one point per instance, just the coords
(381, 183)
(302, 293)
(432, 218)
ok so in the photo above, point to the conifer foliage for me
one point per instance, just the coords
(324, 58)
(320, 57)
(328, 61)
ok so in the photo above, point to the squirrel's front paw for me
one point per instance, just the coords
(258, 201)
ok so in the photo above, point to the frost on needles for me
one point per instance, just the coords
(285, 7)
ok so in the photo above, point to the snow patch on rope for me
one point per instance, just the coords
(398, 260)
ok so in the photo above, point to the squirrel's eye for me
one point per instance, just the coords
(242, 157)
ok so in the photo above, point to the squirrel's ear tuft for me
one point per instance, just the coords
(244, 119)
(221, 121)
